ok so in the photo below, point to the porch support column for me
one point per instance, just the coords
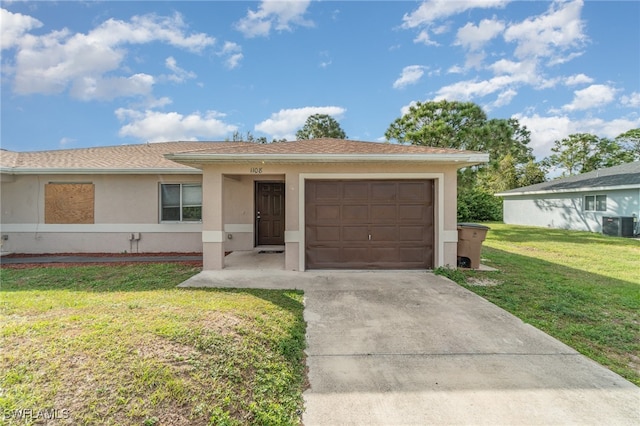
(212, 220)
(292, 222)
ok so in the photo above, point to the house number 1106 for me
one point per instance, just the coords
(256, 170)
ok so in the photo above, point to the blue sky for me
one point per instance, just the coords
(81, 74)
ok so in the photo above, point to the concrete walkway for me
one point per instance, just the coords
(411, 348)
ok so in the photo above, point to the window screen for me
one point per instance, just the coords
(181, 202)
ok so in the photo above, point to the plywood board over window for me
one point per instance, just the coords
(69, 203)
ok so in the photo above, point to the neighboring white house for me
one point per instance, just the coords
(577, 202)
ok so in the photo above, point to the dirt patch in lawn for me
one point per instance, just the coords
(482, 282)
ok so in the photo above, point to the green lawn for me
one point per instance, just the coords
(123, 345)
(582, 288)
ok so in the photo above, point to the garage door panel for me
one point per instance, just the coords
(383, 191)
(386, 234)
(328, 234)
(327, 191)
(355, 233)
(412, 233)
(352, 254)
(413, 191)
(328, 212)
(398, 215)
(412, 254)
(355, 191)
(384, 213)
(412, 212)
(326, 254)
(385, 254)
(358, 212)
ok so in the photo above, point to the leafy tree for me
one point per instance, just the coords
(239, 137)
(462, 125)
(583, 152)
(503, 178)
(442, 124)
(320, 126)
(630, 141)
(530, 174)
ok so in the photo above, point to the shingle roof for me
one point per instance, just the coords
(152, 156)
(623, 175)
(320, 146)
(8, 158)
(123, 157)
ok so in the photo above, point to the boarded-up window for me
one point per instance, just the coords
(69, 203)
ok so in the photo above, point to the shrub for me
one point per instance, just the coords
(476, 205)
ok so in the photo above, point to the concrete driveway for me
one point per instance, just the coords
(411, 348)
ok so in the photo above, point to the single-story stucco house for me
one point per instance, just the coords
(579, 202)
(330, 203)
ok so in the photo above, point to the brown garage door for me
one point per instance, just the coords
(367, 224)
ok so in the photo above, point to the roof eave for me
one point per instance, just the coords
(568, 190)
(459, 159)
(95, 171)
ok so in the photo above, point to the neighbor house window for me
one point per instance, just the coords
(69, 203)
(595, 203)
(181, 202)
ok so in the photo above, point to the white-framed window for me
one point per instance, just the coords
(180, 202)
(595, 203)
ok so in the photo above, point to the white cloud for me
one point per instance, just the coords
(53, 62)
(230, 47)
(65, 142)
(632, 101)
(410, 75)
(550, 34)
(234, 60)
(155, 126)
(504, 98)
(546, 130)
(432, 10)
(423, 37)
(232, 52)
(473, 37)
(576, 79)
(88, 88)
(274, 14)
(525, 69)
(179, 75)
(14, 26)
(467, 90)
(285, 123)
(325, 59)
(593, 96)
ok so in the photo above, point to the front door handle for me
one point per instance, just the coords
(258, 216)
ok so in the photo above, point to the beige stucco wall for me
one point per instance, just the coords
(235, 214)
(124, 204)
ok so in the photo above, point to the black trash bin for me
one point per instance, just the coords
(470, 238)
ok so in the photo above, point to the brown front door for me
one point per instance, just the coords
(269, 213)
(383, 224)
